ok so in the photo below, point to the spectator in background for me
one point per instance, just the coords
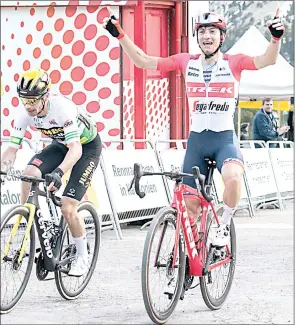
(265, 127)
(290, 120)
(244, 131)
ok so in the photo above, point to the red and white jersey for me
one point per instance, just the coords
(211, 106)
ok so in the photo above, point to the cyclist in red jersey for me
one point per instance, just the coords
(212, 82)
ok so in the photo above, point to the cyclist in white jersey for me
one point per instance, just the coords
(76, 145)
(212, 81)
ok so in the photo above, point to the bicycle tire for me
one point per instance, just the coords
(155, 316)
(211, 302)
(15, 211)
(66, 294)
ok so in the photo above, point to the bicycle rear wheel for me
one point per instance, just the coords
(71, 287)
(157, 264)
(225, 273)
(14, 275)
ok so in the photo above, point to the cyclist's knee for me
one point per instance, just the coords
(32, 171)
(232, 174)
(69, 208)
(193, 207)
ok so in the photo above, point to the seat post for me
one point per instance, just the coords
(209, 177)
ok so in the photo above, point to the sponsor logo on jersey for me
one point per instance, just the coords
(37, 162)
(53, 122)
(215, 89)
(68, 123)
(213, 107)
(54, 133)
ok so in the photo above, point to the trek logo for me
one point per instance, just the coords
(44, 235)
(216, 89)
(200, 107)
(190, 237)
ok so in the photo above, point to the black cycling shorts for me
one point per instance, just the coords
(221, 146)
(53, 155)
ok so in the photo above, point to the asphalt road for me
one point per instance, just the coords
(262, 292)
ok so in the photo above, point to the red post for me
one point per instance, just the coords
(139, 75)
(176, 105)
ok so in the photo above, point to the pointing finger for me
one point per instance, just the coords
(278, 12)
(110, 11)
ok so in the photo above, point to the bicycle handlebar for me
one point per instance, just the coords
(32, 179)
(138, 173)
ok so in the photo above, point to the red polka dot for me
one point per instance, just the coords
(68, 36)
(9, 63)
(100, 126)
(117, 100)
(108, 114)
(50, 11)
(19, 51)
(37, 52)
(47, 39)
(6, 133)
(56, 51)
(90, 84)
(116, 78)
(77, 73)
(66, 62)
(102, 69)
(104, 93)
(66, 87)
(33, 128)
(114, 132)
(3, 47)
(59, 24)
(90, 32)
(89, 59)
(12, 36)
(102, 14)
(102, 43)
(32, 11)
(92, 8)
(12, 123)
(79, 98)
(7, 88)
(26, 65)
(16, 77)
(22, 24)
(45, 65)
(71, 10)
(115, 53)
(14, 101)
(6, 111)
(39, 25)
(78, 47)
(28, 135)
(93, 107)
(29, 39)
(55, 76)
(94, 3)
(80, 21)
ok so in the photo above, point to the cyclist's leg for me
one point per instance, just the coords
(194, 156)
(230, 163)
(77, 185)
(42, 163)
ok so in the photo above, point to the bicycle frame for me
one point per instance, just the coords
(51, 260)
(196, 252)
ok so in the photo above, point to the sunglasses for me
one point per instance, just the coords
(29, 101)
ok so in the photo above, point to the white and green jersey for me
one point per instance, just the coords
(65, 123)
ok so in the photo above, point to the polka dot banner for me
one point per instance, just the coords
(82, 59)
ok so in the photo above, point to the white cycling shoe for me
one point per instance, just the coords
(79, 266)
(221, 236)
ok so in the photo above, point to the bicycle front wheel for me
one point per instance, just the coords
(215, 286)
(161, 283)
(14, 274)
(71, 287)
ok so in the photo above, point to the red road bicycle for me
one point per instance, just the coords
(176, 254)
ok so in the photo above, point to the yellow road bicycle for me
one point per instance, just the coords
(56, 252)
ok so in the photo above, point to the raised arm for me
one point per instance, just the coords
(137, 56)
(276, 29)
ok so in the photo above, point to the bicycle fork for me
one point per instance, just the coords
(32, 209)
